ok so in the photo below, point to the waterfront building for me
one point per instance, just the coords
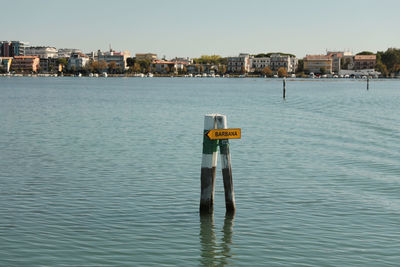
(50, 65)
(145, 56)
(363, 62)
(77, 61)
(288, 62)
(12, 49)
(41, 51)
(66, 52)
(318, 64)
(164, 66)
(111, 56)
(25, 63)
(239, 64)
(260, 63)
(187, 60)
(5, 63)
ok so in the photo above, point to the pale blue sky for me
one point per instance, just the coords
(193, 28)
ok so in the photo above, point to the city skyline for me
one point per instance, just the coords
(189, 29)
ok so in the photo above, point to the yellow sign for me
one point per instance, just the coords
(224, 134)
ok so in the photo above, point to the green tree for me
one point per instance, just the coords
(322, 70)
(365, 53)
(63, 62)
(300, 66)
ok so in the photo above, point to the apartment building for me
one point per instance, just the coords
(165, 66)
(318, 63)
(260, 63)
(25, 63)
(239, 64)
(41, 51)
(12, 49)
(283, 61)
(362, 62)
(112, 56)
(77, 61)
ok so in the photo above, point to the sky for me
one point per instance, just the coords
(186, 28)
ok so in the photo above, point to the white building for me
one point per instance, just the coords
(41, 51)
(239, 64)
(67, 52)
(77, 61)
(259, 63)
(286, 61)
(111, 56)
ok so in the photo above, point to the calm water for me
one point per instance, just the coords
(106, 172)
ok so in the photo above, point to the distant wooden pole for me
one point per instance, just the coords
(208, 166)
(368, 82)
(284, 87)
(226, 167)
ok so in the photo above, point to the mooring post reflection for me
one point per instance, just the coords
(215, 253)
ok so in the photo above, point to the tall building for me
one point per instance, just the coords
(12, 49)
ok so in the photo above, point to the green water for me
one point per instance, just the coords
(106, 172)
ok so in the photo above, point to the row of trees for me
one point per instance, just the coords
(388, 62)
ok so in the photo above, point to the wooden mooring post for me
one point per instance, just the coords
(208, 166)
(368, 82)
(284, 87)
(226, 166)
(216, 134)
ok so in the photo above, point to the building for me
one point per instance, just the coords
(288, 62)
(77, 61)
(318, 64)
(12, 49)
(5, 63)
(164, 66)
(146, 56)
(25, 64)
(239, 64)
(67, 52)
(363, 62)
(51, 65)
(111, 56)
(41, 51)
(260, 63)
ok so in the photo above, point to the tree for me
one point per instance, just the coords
(130, 61)
(135, 68)
(63, 62)
(282, 72)
(167, 69)
(112, 66)
(300, 66)
(322, 70)
(267, 71)
(222, 69)
(365, 53)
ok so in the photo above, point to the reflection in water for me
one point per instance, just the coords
(212, 253)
